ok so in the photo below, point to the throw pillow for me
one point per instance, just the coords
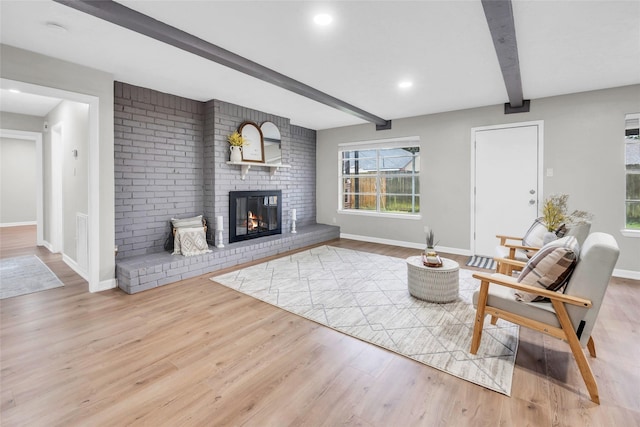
(191, 241)
(195, 221)
(535, 235)
(549, 268)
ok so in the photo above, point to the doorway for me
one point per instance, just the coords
(506, 182)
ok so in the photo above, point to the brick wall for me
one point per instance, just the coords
(170, 161)
(158, 165)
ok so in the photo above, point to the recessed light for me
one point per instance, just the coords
(56, 27)
(405, 84)
(14, 91)
(323, 19)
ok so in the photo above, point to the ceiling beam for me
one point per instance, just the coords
(499, 14)
(128, 18)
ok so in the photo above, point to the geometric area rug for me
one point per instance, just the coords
(25, 275)
(365, 295)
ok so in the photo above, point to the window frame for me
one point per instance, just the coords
(377, 145)
(632, 129)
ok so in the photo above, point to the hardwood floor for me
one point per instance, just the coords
(197, 353)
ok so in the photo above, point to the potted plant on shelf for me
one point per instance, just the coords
(236, 141)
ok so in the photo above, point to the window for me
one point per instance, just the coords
(382, 178)
(632, 163)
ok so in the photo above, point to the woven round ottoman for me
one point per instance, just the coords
(433, 284)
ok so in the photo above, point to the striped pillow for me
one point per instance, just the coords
(535, 235)
(550, 268)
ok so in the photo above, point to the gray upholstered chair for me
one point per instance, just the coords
(569, 316)
(506, 249)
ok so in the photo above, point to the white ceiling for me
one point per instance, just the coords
(443, 46)
(26, 103)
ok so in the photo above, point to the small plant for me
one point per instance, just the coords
(235, 139)
(554, 213)
(430, 238)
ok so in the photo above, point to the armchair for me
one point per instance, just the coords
(569, 316)
(525, 247)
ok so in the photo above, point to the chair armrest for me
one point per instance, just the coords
(509, 261)
(510, 282)
(503, 238)
(526, 248)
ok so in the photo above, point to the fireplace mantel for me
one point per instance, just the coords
(245, 166)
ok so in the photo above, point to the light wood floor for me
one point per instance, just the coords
(197, 353)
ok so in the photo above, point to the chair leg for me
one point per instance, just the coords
(477, 328)
(494, 320)
(592, 347)
(576, 349)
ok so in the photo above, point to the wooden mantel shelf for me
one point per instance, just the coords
(245, 166)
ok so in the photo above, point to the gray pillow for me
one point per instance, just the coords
(549, 268)
(535, 235)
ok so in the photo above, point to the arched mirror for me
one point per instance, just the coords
(253, 149)
(272, 143)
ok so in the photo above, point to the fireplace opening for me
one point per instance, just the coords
(254, 214)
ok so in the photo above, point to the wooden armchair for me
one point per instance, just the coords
(569, 316)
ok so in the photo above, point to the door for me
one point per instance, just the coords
(507, 183)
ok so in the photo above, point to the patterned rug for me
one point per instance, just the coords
(24, 275)
(481, 262)
(365, 295)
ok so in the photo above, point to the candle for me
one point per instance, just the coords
(294, 215)
(219, 225)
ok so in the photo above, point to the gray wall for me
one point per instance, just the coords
(583, 143)
(74, 118)
(22, 122)
(18, 174)
(171, 158)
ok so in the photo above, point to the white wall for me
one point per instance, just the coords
(23, 122)
(29, 67)
(583, 144)
(18, 173)
(74, 120)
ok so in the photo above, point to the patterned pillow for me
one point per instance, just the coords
(535, 235)
(190, 241)
(195, 221)
(549, 268)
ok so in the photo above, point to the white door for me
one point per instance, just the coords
(507, 183)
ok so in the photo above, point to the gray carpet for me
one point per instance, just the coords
(365, 295)
(24, 275)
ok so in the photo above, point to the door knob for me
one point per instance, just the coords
(532, 191)
(532, 202)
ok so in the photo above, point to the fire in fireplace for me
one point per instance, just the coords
(254, 214)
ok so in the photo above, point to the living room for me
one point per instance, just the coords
(583, 156)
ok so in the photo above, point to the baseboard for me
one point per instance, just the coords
(47, 246)
(75, 267)
(626, 274)
(455, 251)
(105, 285)
(17, 224)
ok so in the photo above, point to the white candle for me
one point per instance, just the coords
(219, 225)
(294, 215)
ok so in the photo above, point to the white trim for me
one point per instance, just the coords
(18, 224)
(630, 233)
(626, 274)
(74, 266)
(413, 217)
(472, 169)
(106, 285)
(381, 143)
(94, 167)
(421, 246)
(37, 137)
(56, 210)
(47, 246)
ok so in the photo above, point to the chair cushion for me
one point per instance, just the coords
(533, 237)
(549, 268)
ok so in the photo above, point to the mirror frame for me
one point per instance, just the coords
(254, 151)
(269, 131)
